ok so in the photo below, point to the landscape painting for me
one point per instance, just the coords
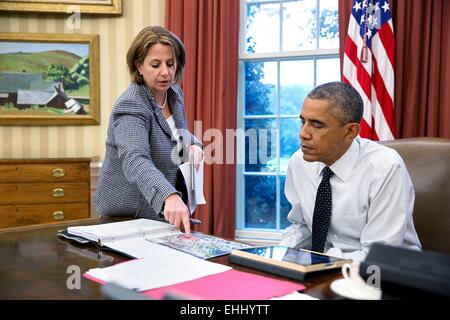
(49, 79)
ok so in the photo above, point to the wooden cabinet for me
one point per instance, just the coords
(35, 191)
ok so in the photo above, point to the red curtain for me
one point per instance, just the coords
(422, 67)
(210, 31)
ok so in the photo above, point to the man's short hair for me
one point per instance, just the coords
(342, 97)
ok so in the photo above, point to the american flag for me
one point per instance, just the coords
(369, 65)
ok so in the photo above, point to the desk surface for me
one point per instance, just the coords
(34, 264)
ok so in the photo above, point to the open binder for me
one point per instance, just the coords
(102, 234)
(134, 236)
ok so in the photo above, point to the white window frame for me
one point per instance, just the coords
(260, 235)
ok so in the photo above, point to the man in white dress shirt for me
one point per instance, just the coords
(372, 193)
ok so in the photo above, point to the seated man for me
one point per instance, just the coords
(346, 192)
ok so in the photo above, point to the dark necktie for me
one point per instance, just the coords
(322, 212)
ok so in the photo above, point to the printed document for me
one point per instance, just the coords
(164, 267)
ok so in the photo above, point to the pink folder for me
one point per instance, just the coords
(228, 285)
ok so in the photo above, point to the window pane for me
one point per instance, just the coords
(285, 206)
(328, 70)
(296, 80)
(329, 28)
(289, 140)
(299, 25)
(260, 88)
(261, 145)
(274, 90)
(260, 202)
(263, 28)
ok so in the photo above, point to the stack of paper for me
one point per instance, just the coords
(166, 271)
(164, 267)
(169, 271)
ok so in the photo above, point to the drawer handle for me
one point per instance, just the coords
(58, 193)
(58, 173)
(58, 215)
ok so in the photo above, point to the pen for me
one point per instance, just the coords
(195, 221)
(191, 162)
(192, 174)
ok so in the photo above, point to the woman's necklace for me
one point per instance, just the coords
(164, 104)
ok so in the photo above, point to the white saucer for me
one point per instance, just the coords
(343, 288)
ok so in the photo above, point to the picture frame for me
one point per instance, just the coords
(49, 79)
(110, 7)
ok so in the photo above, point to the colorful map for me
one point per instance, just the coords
(199, 244)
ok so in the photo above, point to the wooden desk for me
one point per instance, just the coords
(34, 264)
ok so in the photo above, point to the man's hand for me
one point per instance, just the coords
(176, 212)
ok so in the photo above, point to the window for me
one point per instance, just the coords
(287, 48)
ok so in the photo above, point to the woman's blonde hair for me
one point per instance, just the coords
(145, 40)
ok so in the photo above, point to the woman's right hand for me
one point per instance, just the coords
(176, 212)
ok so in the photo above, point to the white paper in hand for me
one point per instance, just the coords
(194, 184)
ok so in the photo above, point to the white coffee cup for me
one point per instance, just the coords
(351, 274)
(357, 286)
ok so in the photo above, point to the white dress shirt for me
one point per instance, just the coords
(373, 201)
(175, 133)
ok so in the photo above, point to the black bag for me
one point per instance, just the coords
(406, 273)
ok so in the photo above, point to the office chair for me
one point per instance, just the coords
(428, 163)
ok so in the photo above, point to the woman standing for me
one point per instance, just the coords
(148, 136)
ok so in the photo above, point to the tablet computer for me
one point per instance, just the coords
(285, 261)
